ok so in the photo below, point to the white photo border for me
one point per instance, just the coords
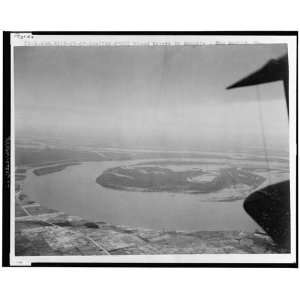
(64, 40)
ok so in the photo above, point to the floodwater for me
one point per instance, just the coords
(75, 192)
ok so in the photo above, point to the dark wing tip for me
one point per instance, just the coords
(231, 86)
(273, 70)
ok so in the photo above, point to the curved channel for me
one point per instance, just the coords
(74, 191)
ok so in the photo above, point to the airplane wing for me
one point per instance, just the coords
(270, 206)
(273, 70)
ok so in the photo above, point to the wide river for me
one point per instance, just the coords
(75, 192)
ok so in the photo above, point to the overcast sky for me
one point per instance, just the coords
(151, 96)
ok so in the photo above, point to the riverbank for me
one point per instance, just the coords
(52, 169)
(40, 231)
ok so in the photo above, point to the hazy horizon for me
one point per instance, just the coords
(162, 96)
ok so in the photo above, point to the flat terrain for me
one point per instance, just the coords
(43, 231)
(52, 169)
(158, 179)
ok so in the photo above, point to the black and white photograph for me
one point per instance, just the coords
(152, 149)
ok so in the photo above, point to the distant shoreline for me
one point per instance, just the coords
(53, 169)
